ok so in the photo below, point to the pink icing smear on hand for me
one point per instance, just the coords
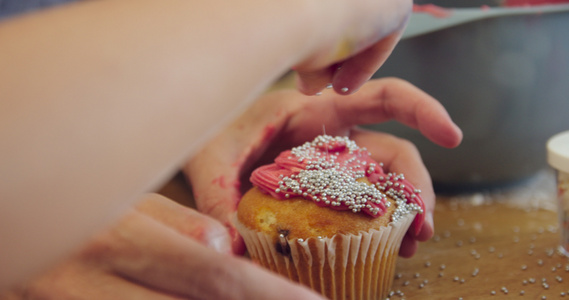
(433, 10)
(327, 170)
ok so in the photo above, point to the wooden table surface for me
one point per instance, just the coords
(488, 251)
(481, 250)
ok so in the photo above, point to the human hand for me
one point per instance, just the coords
(283, 119)
(160, 250)
(355, 48)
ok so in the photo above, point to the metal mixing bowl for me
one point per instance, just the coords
(505, 82)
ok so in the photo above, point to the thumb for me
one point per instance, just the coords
(186, 221)
(215, 171)
(216, 195)
(220, 202)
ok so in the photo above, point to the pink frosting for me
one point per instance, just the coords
(315, 170)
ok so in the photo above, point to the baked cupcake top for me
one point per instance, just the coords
(332, 172)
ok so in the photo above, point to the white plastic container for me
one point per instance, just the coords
(558, 158)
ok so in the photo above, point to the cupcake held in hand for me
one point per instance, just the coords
(325, 215)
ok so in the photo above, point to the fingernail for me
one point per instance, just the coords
(430, 220)
(220, 242)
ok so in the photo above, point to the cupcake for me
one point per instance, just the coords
(325, 215)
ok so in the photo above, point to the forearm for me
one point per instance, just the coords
(104, 99)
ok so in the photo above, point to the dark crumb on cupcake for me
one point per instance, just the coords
(282, 245)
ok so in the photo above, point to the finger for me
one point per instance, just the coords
(215, 171)
(206, 230)
(428, 230)
(361, 46)
(312, 82)
(348, 76)
(79, 279)
(218, 198)
(409, 246)
(152, 254)
(390, 98)
(357, 70)
(401, 156)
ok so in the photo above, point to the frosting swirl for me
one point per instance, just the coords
(329, 170)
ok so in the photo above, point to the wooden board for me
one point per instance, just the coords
(487, 251)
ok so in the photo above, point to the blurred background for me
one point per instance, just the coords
(501, 69)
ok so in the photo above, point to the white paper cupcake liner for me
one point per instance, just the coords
(345, 266)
